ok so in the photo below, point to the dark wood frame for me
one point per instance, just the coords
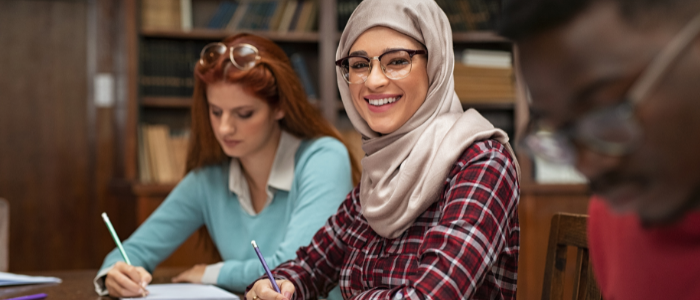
(569, 230)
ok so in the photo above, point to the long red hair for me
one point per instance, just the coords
(272, 79)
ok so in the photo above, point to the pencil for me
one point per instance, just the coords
(116, 238)
(267, 270)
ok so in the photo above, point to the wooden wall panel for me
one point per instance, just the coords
(45, 152)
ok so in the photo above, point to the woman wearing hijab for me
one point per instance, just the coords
(435, 213)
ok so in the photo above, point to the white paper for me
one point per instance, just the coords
(553, 173)
(16, 279)
(183, 291)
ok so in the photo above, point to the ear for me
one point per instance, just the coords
(279, 114)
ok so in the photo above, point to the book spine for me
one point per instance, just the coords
(299, 64)
(277, 17)
(241, 10)
(295, 17)
(186, 14)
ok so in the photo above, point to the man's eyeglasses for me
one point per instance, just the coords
(395, 64)
(243, 56)
(612, 130)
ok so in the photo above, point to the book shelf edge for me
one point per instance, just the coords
(218, 34)
(166, 102)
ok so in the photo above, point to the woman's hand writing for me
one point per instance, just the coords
(263, 290)
(127, 281)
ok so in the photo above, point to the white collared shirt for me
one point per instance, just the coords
(281, 174)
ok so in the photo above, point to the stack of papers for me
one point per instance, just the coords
(183, 291)
(16, 279)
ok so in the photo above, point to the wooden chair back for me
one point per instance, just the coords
(568, 230)
(4, 234)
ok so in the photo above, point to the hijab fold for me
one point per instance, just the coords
(404, 171)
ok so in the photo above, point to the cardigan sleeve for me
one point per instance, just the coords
(165, 229)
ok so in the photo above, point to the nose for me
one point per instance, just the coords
(227, 126)
(376, 78)
(593, 164)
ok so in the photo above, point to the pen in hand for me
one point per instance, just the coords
(116, 238)
(267, 269)
(121, 248)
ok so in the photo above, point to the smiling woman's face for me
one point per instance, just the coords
(383, 103)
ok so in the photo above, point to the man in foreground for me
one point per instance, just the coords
(615, 87)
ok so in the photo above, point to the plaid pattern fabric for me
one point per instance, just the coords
(464, 246)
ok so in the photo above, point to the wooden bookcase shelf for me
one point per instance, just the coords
(478, 37)
(166, 102)
(213, 34)
(490, 105)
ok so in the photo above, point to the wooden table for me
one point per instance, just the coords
(76, 285)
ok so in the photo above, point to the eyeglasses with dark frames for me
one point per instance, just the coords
(395, 64)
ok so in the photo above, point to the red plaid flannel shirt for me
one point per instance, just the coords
(464, 246)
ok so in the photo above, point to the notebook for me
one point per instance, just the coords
(16, 279)
(184, 291)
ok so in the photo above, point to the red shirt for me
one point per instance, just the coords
(464, 246)
(631, 262)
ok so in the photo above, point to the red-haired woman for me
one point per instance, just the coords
(263, 165)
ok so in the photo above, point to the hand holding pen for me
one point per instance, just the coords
(268, 289)
(125, 280)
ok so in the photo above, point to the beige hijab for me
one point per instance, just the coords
(404, 171)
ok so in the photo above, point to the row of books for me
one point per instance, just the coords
(484, 76)
(264, 15)
(162, 155)
(345, 9)
(166, 14)
(167, 68)
(292, 15)
(268, 15)
(465, 15)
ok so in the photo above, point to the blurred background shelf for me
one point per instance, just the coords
(218, 34)
(167, 102)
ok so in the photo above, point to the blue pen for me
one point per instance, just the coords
(30, 297)
(267, 270)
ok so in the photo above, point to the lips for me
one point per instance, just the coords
(231, 143)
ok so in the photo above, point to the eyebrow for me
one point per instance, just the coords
(359, 52)
(235, 109)
(364, 53)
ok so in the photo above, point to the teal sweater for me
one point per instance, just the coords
(322, 179)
